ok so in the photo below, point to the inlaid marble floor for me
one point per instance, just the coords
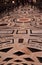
(21, 37)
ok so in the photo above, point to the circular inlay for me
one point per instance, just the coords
(23, 19)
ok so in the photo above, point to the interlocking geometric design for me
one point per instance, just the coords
(21, 42)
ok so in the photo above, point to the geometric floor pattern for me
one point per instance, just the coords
(21, 37)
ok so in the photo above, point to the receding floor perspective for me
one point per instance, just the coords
(21, 36)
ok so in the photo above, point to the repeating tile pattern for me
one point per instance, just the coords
(21, 37)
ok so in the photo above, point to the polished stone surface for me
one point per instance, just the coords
(21, 37)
